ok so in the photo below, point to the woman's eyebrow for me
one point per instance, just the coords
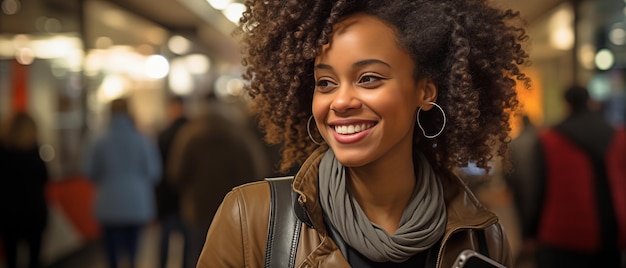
(356, 64)
(323, 66)
(370, 61)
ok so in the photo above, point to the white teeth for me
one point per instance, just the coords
(351, 129)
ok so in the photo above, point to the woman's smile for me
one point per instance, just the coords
(351, 132)
(351, 129)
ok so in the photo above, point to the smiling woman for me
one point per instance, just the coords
(341, 85)
(362, 78)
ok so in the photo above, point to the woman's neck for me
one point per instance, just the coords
(383, 191)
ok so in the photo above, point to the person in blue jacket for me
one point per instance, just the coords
(125, 167)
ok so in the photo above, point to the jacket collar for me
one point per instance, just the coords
(463, 208)
(305, 186)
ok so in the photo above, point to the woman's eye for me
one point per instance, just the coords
(324, 84)
(369, 79)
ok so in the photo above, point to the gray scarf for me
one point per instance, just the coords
(422, 224)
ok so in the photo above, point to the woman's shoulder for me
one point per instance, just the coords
(257, 190)
(256, 194)
(239, 228)
(250, 201)
(251, 187)
(247, 203)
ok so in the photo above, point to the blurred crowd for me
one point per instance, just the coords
(174, 181)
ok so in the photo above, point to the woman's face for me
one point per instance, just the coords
(366, 98)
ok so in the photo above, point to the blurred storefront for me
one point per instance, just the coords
(577, 42)
(40, 72)
(601, 54)
(63, 61)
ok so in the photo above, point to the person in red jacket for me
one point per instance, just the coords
(581, 216)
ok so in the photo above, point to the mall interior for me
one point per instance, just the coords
(63, 61)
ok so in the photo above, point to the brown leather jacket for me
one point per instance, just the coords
(237, 237)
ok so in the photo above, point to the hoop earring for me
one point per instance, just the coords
(308, 130)
(420, 124)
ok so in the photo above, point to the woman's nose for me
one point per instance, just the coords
(346, 98)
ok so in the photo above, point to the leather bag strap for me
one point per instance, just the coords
(284, 227)
(482, 242)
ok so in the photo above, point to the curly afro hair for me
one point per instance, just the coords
(471, 50)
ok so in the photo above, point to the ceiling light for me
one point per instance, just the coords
(156, 66)
(604, 59)
(10, 7)
(179, 44)
(219, 4)
(234, 11)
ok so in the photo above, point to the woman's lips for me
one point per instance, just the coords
(351, 132)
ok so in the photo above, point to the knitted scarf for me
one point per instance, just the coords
(422, 224)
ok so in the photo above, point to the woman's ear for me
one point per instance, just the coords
(429, 93)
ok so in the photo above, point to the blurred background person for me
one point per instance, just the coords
(580, 219)
(167, 195)
(520, 181)
(23, 206)
(125, 167)
(213, 153)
